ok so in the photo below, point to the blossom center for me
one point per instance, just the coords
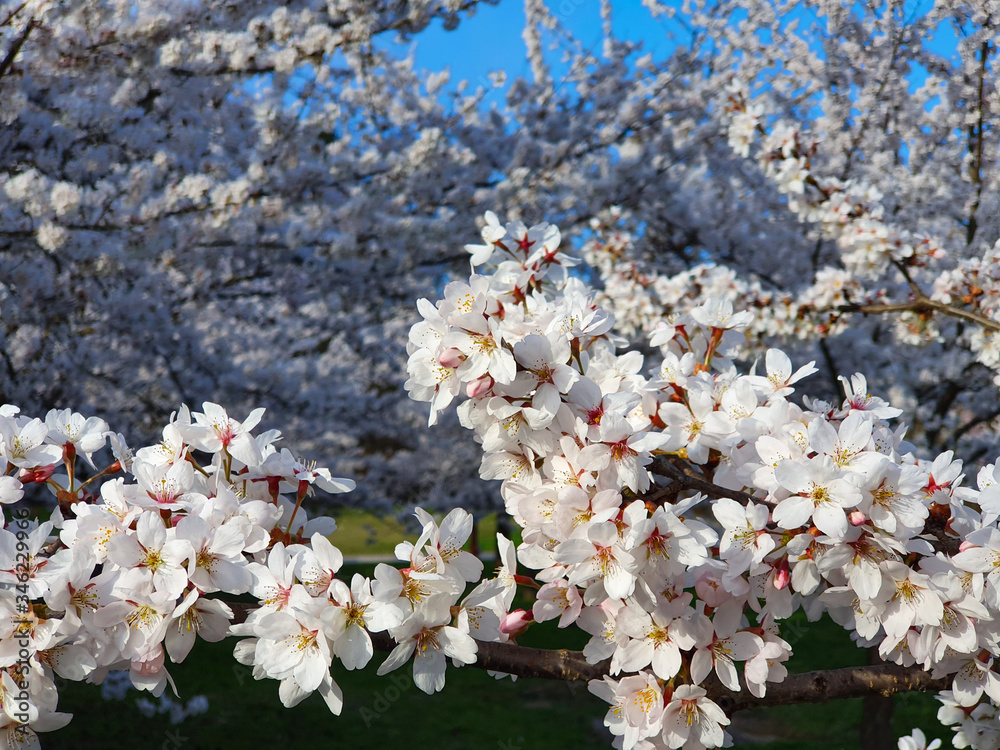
(154, 560)
(427, 638)
(356, 614)
(621, 450)
(646, 699)
(141, 617)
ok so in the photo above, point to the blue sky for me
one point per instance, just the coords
(490, 39)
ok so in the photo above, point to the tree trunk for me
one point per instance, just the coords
(876, 716)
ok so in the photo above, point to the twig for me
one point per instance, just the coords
(8, 61)
(13, 13)
(923, 304)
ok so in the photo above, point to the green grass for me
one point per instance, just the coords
(474, 710)
(361, 533)
(387, 712)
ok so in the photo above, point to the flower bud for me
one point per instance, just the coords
(479, 387)
(857, 518)
(710, 590)
(37, 474)
(451, 358)
(516, 622)
(781, 578)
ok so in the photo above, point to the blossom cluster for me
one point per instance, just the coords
(263, 219)
(849, 212)
(852, 214)
(307, 616)
(336, 153)
(128, 574)
(643, 297)
(820, 506)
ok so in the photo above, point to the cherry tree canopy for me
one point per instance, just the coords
(239, 201)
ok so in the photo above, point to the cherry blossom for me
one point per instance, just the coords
(755, 209)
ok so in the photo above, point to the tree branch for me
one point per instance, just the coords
(808, 687)
(831, 684)
(688, 482)
(922, 304)
(976, 147)
(8, 61)
(13, 14)
(942, 541)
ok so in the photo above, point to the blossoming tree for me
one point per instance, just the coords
(768, 506)
(679, 488)
(186, 190)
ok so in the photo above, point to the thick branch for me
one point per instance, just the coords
(523, 661)
(831, 684)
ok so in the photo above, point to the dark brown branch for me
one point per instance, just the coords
(13, 14)
(976, 147)
(975, 422)
(8, 61)
(808, 687)
(658, 493)
(523, 661)
(687, 482)
(918, 293)
(831, 367)
(831, 684)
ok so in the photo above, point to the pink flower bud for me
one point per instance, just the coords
(781, 578)
(451, 358)
(516, 622)
(480, 387)
(857, 518)
(965, 545)
(37, 474)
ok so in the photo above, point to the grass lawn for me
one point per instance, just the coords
(473, 711)
(359, 533)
